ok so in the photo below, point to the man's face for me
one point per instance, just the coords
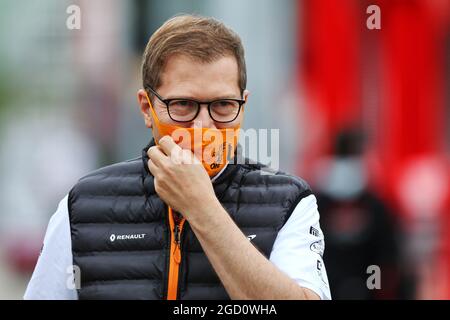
(187, 78)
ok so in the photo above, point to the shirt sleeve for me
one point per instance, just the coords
(53, 278)
(299, 247)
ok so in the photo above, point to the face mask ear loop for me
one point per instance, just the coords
(152, 110)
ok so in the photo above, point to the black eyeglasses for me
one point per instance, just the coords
(186, 110)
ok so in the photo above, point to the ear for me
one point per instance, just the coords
(245, 96)
(145, 107)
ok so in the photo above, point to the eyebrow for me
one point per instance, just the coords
(222, 97)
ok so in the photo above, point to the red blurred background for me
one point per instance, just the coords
(393, 83)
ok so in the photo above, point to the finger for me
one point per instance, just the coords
(188, 157)
(168, 145)
(152, 167)
(157, 156)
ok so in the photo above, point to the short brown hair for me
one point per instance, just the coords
(201, 38)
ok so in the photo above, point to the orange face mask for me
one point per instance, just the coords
(213, 147)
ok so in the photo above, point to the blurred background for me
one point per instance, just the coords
(364, 117)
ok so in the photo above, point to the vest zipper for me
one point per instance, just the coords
(176, 229)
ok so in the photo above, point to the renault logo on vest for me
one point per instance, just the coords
(114, 237)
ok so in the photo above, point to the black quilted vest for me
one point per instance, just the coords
(121, 238)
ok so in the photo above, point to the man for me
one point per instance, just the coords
(174, 224)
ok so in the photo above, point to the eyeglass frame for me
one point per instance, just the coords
(199, 103)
